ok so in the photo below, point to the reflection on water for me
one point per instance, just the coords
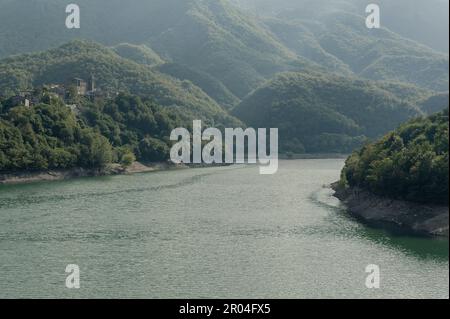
(417, 246)
(420, 247)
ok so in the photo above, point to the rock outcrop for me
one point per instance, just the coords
(421, 219)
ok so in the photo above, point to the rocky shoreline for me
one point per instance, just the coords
(56, 175)
(409, 217)
(25, 177)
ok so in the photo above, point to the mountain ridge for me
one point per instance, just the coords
(311, 110)
(238, 49)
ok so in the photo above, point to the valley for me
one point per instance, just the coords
(95, 114)
(329, 87)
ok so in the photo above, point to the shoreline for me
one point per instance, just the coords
(283, 156)
(26, 177)
(391, 214)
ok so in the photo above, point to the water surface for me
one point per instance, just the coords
(223, 232)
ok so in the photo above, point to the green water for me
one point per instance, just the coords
(217, 232)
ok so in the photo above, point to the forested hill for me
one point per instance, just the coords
(238, 49)
(94, 134)
(129, 115)
(113, 73)
(325, 113)
(410, 163)
(141, 54)
(48, 136)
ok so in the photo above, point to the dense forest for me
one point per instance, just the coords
(50, 135)
(133, 124)
(113, 73)
(410, 163)
(318, 113)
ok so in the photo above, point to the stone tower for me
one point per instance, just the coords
(91, 87)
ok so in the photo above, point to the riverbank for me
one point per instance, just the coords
(419, 219)
(285, 156)
(56, 175)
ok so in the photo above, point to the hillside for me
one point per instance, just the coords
(212, 86)
(49, 136)
(141, 54)
(435, 103)
(410, 163)
(131, 116)
(113, 73)
(341, 42)
(334, 35)
(235, 49)
(53, 135)
(217, 39)
(401, 180)
(325, 113)
(209, 36)
(423, 21)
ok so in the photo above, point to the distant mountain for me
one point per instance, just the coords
(325, 113)
(239, 50)
(112, 73)
(214, 37)
(209, 36)
(423, 21)
(212, 86)
(435, 103)
(341, 42)
(42, 22)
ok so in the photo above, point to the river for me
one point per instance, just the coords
(224, 232)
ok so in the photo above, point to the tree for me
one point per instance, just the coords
(128, 159)
(410, 163)
(154, 150)
(95, 150)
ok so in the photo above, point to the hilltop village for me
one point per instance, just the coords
(67, 92)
